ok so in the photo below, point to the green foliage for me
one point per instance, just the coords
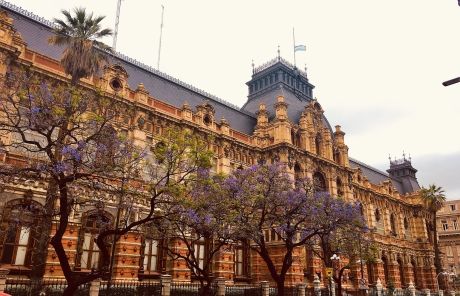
(434, 196)
(80, 33)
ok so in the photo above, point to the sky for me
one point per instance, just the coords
(377, 65)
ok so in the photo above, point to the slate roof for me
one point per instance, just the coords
(269, 98)
(36, 31)
(374, 175)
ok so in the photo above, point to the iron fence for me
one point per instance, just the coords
(291, 291)
(325, 292)
(272, 291)
(191, 289)
(47, 287)
(243, 290)
(130, 288)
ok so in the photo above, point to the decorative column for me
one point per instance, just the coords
(94, 287)
(301, 289)
(220, 286)
(379, 287)
(265, 288)
(3, 273)
(165, 281)
(411, 289)
(317, 285)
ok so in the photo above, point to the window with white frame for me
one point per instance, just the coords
(151, 255)
(89, 257)
(199, 248)
(241, 260)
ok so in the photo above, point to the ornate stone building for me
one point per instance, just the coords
(281, 121)
(448, 219)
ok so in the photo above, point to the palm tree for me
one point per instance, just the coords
(434, 196)
(84, 54)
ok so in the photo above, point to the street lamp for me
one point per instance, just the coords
(444, 273)
(335, 261)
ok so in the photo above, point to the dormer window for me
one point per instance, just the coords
(207, 119)
(115, 84)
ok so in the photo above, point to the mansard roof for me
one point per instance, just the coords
(36, 31)
(376, 176)
(295, 86)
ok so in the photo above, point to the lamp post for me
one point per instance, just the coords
(335, 259)
(444, 273)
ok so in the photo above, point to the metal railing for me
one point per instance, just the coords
(48, 287)
(130, 288)
(190, 289)
(243, 290)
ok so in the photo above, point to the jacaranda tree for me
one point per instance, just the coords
(203, 224)
(269, 202)
(71, 137)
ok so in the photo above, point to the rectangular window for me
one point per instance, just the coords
(445, 225)
(199, 248)
(22, 246)
(151, 255)
(449, 252)
(15, 245)
(239, 261)
(452, 208)
(90, 255)
(455, 224)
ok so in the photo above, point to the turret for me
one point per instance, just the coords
(403, 171)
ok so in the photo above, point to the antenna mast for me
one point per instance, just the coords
(117, 20)
(161, 35)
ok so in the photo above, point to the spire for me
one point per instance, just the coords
(279, 53)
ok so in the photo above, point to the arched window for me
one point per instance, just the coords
(318, 144)
(393, 225)
(370, 273)
(18, 230)
(401, 273)
(297, 172)
(377, 215)
(340, 189)
(336, 156)
(319, 183)
(93, 224)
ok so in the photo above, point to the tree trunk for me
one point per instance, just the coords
(70, 290)
(43, 230)
(280, 286)
(437, 259)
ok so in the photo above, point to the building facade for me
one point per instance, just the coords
(448, 219)
(281, 121)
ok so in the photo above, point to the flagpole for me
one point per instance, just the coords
(161, 35)
(293, 47)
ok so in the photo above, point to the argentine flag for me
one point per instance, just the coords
(302, 47)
